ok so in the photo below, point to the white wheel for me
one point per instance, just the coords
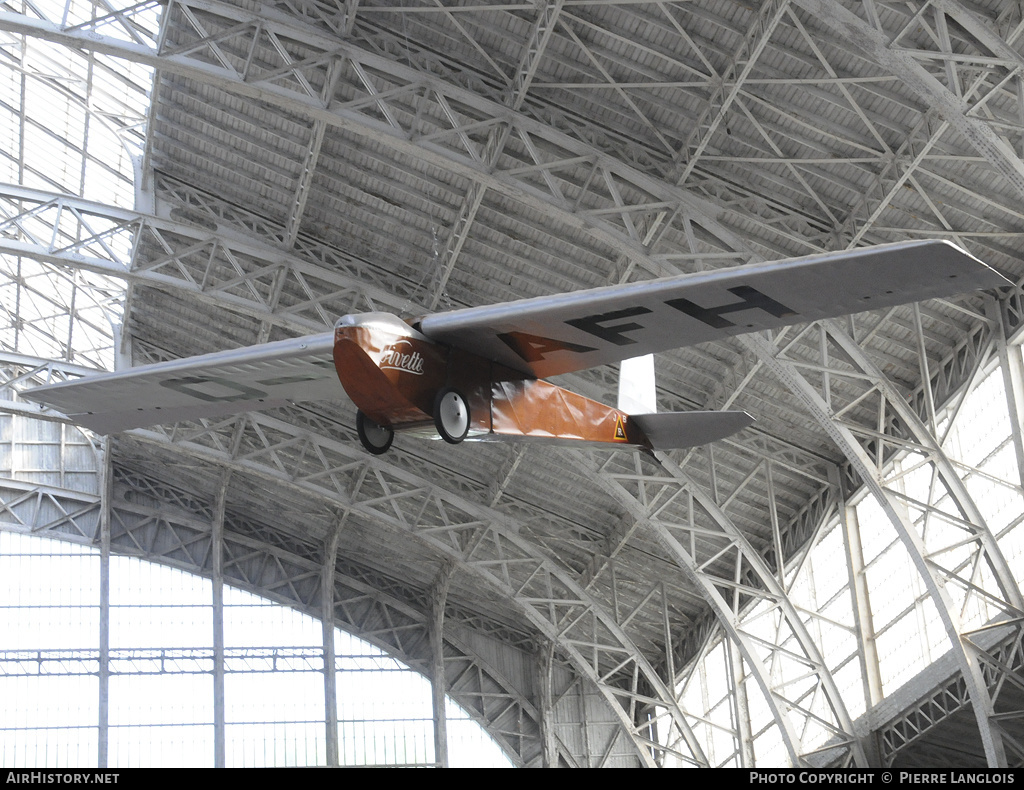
(376, 439)
(451, 415)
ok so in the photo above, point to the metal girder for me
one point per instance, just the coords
(725, 87)
(381, 108)
(734, 579)
(490, 698)
(327, 634)
(485, 543)
(305, 183)
(438, 679)
(536, 44)
(935, 564)
(103, 670)
(217, 552)
(160, 660)
(896, 172)
(867, 653)
(540, 35)
(953, 108)
(156, 526)
(218, 267)
(545, 661)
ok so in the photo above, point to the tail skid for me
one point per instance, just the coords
(680, 430)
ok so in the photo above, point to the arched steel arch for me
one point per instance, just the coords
(160, 524)
(305, 453)
(174, 270)
(153, 521)
(627, 232)
(572, 620)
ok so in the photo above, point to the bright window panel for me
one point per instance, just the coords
(161, 683)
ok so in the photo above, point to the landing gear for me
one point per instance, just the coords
(451, 415)
(375, 438)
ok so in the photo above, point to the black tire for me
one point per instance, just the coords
(376, 439)
(451, 415)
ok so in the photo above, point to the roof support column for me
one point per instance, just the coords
(545, 666)
(867, 652)
(217, 551)
(741, 707)
(330, 662)
(438, 681)
(106, 490)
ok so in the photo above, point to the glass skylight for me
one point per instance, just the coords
(71, 124)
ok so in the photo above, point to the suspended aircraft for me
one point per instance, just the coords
(479, 373)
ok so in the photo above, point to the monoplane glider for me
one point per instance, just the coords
(478, 373)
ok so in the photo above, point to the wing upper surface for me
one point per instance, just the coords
(557, 334)
(213, 385)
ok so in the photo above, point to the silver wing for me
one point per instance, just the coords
(542, 337)
(213, 385)
(568, 332)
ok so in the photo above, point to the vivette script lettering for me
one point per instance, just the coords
(406, 360)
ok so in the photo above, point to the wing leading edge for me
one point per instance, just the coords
(213, 385)
(563, 333)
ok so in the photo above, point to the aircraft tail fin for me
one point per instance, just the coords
(680, 430)
(671, 430)
(637, 393)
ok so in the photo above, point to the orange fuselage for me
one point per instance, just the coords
(392, 373)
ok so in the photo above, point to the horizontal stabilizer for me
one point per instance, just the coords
(681, 429)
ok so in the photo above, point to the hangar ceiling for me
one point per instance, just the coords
(308, 159)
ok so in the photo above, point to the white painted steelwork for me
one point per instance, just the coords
(305, 160)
